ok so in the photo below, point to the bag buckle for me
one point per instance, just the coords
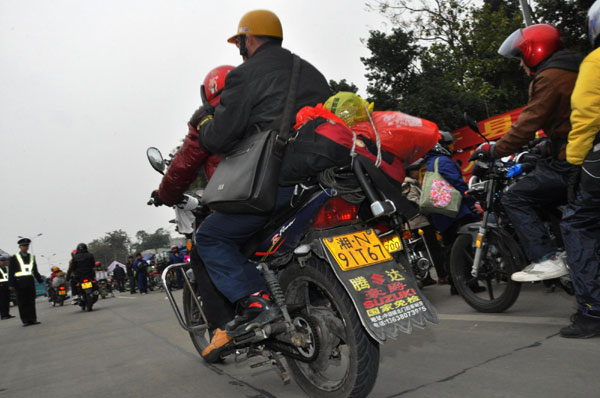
(280, 140)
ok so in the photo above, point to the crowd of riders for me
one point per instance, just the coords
(564, 102)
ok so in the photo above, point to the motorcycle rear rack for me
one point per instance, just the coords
(180, 318)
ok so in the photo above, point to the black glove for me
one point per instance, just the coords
(200, 114)
(574, 177)
(155, 199)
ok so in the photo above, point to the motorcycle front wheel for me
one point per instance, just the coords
(498, 263)
(347, 361)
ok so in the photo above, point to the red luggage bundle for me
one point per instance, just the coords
(322, 141)
(408, 137)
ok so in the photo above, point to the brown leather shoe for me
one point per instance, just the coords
(218, 343)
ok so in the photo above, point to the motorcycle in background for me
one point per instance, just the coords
(105, 289)
(58, 290)
(88, 293)
(488, 251)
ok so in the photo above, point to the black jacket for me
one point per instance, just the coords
(254, 95)
(82, 266)
(130, 270)
(119, 273)
(22, 281)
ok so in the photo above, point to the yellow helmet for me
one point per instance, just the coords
(258, 23)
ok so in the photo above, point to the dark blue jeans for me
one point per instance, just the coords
(581, 233)
(143, 282)
(219, 240)
(545, 186)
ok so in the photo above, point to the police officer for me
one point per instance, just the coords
(4, 290)
(22, 269)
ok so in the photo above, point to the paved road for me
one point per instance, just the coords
(132, 346)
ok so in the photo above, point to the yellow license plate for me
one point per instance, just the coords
(61, 292)
(392, 243)
(357, 250)
(86, 285)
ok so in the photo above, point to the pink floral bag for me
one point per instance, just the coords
(438, 196)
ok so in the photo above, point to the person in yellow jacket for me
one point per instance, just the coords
(581, 218)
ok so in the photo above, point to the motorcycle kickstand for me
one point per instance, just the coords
(276, 359)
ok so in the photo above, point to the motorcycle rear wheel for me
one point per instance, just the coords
(499, 261)
(192, 316)
(348, 360)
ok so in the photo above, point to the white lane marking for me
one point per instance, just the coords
(128, 298)
(532, 320)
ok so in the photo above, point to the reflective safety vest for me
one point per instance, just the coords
(3, 275)
(26, 269)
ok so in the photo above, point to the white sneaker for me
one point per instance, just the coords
(547, 269)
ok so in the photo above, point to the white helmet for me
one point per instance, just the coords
(593, 22)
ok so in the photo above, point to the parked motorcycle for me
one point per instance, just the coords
(88, 293)
(341, 293)
(105, 289)
(154, 281)
(488, 251)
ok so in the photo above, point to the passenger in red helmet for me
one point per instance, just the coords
(191, 157)
(554, 71)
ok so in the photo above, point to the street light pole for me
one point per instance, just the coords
(526, 10)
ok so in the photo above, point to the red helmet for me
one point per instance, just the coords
(213, 84)
(533, 44)
(74, 252)
(98, 263)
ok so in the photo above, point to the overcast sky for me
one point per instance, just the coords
(87, 86)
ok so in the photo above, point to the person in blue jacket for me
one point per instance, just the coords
(141, 268)
(176, 258)
(447, 226)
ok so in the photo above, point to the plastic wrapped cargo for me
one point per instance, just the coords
(408, 137)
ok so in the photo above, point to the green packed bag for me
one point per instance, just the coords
(438, 196)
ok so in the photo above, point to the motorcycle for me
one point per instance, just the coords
(105, 289)
(341, 293)
(58, 290)
(489, 251)
(88, 293)
(154, 281)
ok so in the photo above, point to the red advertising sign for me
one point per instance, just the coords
(467, 140)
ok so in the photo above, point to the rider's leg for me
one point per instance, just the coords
(217, 309)
(219, 239)
(581, 234)
(545, 186)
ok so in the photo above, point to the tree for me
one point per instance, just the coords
(441, 60)
(342, 85)
(391, 67)
(113, 246)
(569, 16)
(159, 239)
